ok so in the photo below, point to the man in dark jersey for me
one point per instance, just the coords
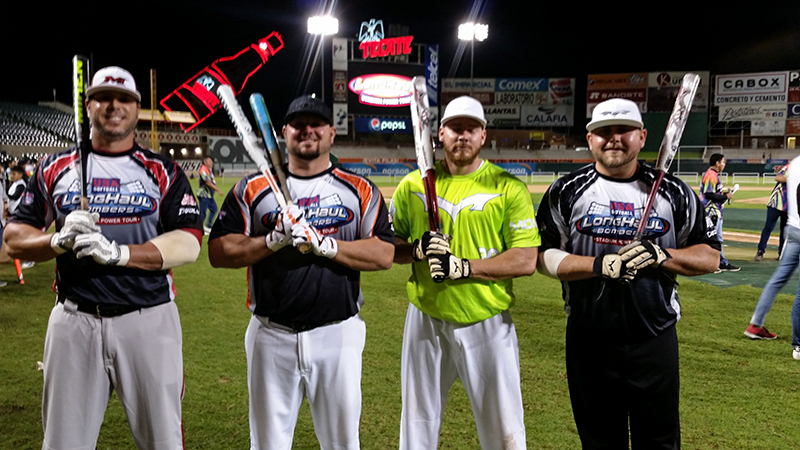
(115, 325)
(305, 338)
(622, 348)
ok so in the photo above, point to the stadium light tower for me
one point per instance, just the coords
(472, 31)
(323, 26)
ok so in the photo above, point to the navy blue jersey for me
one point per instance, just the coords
(289, 287)
(586, 213)
(138, 194)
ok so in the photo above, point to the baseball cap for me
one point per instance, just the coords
(616, 111)
(464, 106)
(307, 104)
(113, 79)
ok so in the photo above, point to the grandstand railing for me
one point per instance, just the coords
(688, 177)
(746, 177)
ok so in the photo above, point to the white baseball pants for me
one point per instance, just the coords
(322, 364)
(86, 358)
(484, 355)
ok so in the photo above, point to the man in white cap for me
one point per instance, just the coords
(622, 348)
(461, 327)
(115, 325)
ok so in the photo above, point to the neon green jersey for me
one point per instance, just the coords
(486, 212)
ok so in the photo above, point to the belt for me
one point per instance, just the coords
(101, 311)
(300, 327)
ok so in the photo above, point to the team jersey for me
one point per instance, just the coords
(486, 212)
(290, 287)
(138, 194)
(586, 213)
(777, 199)
(203, 191)
(711, 184)
(15, 195)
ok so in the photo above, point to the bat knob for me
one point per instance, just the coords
(438, 278)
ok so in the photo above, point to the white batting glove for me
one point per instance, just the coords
(303, 233)
(432, 243)
(640, 254)
(103, 251)
(611, 266)
(280, 236)
(77, 222)
(448, 266)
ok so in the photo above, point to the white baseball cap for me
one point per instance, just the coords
(616, 111)
(113, 78)
(464, 106)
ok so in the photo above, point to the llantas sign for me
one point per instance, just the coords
(382, 89)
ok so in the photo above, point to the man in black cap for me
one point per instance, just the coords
(305, 337)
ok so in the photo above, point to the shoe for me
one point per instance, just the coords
(796, 352)
(759, 256)
(717, 271)
(206, 231)
(728, 268)
(754, 332)
(26, 264)
(3, 284)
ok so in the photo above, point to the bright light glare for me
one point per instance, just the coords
(183, 151)
(323, 25)
(469, 31)
(198, 150)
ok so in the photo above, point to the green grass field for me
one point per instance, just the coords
(735, 393)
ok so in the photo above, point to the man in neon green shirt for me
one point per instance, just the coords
(461, 328)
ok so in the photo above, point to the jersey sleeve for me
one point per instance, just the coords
(233, 214)
(376, 221)
(552, 225)
(521, 229)
(700, 229)
(398, 209)
(35, 208)
(179, 207)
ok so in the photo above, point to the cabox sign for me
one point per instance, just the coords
(382, 89)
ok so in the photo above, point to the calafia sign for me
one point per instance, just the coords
(382, 89)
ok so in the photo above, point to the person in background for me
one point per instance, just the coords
(776, 209)
(205, 194)
(714, 195)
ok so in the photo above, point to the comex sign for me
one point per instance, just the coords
(382, 89)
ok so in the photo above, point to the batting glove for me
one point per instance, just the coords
(303, 233)
(103, 251)
(432, 243)
(77, 222)
(640, 254)
(612, 267)
(280, 236)
(448, 266)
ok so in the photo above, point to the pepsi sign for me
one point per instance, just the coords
(382, 125)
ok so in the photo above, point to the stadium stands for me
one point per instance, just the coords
(26, 124)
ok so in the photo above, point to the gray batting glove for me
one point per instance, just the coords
(103, 251)
(640, 254)
(611, 266)
(77, 222)
(448, 266)
(432, 243)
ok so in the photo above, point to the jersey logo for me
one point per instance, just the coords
(616, 223)
(475, 202)
(326, 212)
(118, 203)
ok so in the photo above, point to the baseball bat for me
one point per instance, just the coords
(423, 145)
(80, 84)
(265, 124)
(250, 141)
(670, 143)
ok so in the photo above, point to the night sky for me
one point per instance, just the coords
(526, 39)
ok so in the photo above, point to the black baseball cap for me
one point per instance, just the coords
(307, 104)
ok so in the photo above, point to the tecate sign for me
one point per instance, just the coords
(382, 89)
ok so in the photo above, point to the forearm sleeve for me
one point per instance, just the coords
(177, 248)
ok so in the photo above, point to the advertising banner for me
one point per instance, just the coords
(339, 52)
(793, 127)
(768, 128)
(518, 169)
(794, 86)
(733, 113)
(462, 85)
(617, 81)
(521, 84)
(522, 98)
(662, 99)
(547, 115)
(562, 91)
(382, 125)
(432, 73)
(380, 169)
(486, 98)
(764, 87)
(340, 86)
(501, 115)
(793, 111)
(340, 118)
